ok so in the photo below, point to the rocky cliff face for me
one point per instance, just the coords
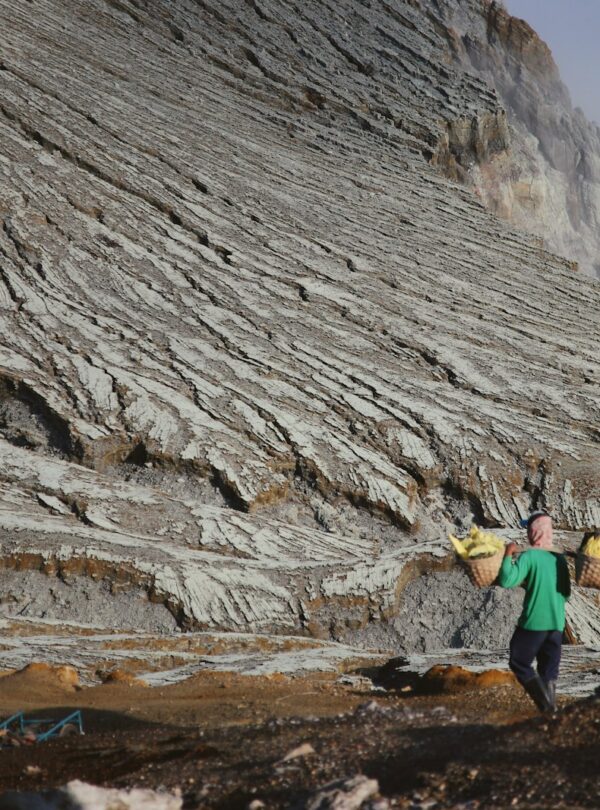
(257, 351)
(547, 180)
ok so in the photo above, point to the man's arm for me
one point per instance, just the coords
(514, 569)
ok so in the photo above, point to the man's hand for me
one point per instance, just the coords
(510, 549)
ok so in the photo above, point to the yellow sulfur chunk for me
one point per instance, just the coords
(477, 544)
(458, 546)
(592, 547)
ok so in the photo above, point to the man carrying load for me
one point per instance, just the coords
(545, 576)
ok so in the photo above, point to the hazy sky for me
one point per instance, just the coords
(572, 30)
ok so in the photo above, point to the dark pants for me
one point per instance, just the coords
(543, 645)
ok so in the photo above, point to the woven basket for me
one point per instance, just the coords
(484, 571)
(587, 571)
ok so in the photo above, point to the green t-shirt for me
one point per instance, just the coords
(545, 575)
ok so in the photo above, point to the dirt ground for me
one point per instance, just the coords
(449, 740)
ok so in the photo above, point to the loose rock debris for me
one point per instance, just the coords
(469, 749)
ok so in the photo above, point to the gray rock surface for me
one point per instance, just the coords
(547, 180)
(257, 352)
(33, 594)
(444, 611)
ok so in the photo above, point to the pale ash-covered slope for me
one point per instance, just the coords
(222, 246)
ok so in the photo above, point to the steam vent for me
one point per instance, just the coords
(287, 292)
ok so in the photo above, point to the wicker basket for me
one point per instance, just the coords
(587, 571)
(483, 571)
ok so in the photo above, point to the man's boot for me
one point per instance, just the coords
(536, 689)
(551, 691)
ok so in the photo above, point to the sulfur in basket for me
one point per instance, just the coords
(587, 562)
(481, 555)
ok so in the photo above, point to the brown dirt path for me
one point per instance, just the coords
(221, 739)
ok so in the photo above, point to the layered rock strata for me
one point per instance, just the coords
(257, 351)
(209, 566)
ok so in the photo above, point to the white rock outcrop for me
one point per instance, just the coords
(78, 795)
